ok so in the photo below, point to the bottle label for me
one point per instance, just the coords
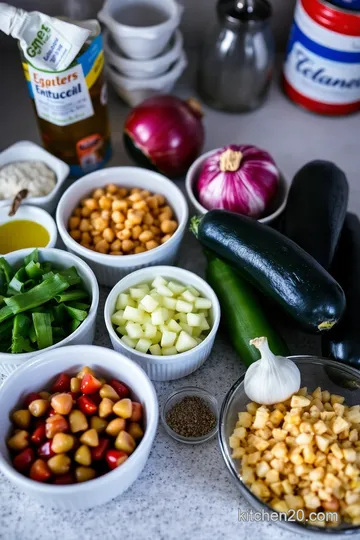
(63, 98)
(321, 64)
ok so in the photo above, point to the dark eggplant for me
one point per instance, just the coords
(316, 209)
(276, 266)
(343, 342)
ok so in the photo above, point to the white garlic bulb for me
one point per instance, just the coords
(271, 379)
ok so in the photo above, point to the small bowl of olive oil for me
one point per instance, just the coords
(30, 227)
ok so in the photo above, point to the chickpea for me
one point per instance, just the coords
(141, 205)
(122, 206)
(116, 252)
(105, 202)
(128, 224)
(85, 245)
(136, 232)
(152, 202)
(145, 193)
(146, 236)
(135, 216)
(85, 212)
(148, 219)
(77, 212)
(100, 224)
(136, 243)
(109, 235)
(116, 245)
(167, 210)
(127, 245)
(92, 204)
(156, 212)
(98, 193)
(163, 216)
(106, 214)
(119, 226)
(168, 226)
(123, 235)
(111, 188)
(95, 215)
(140, 249)
(85, 237)
(146, 227)
(102, 246)
(123, 192)
(135, 197)
(74, 222)
(135, 190)
(151, 245)
(160, 199)
(166, 238)
(97, 238)
(156, 223)
(155, 230)
(75, 234)
(84, 225)
(118, 217)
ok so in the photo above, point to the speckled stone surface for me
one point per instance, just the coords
(184, 492)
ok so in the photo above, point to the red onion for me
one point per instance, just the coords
(242, 179)
(165, 133)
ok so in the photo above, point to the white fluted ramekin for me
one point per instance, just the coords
(109, 269)
(85, 333)
(37, 375)
(165, 368)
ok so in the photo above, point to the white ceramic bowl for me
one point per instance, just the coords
(26, 150)
(165, 368)
(35, 376)
(84, 334)
(141, 42)
(142, 69)
(274, 210)
(110, 268)
(134, 91)
(31, 213)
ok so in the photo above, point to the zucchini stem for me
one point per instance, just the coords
(194, 225)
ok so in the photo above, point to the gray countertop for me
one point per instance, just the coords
(184, 491)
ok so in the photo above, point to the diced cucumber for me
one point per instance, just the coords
(167, 351)
(176, 288)
(165, 313)
(159, 281)
(173, 326)
(150, 331)
(163, 290)
(193, 291)
(146, 317)
(194, 319)
(149, 303)
(202, 303)
(157, 317)
(199, 340)
(144, 286)
(196, 332)
(187, 328)
(168, 339)
(134, 330)
(137, 293)
(118, 318)
(157, 337)
(121, 330)
(204, 324)
(122, 301)
(133, 314)
(128, 341)
(155, 350)
(169, 303)
(183, 306)
(185, 342)
(186, 295)
(181, 317)
(143, 345)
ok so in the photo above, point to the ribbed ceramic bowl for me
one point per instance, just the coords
(109, 269)
(165, 368)
(274, 210)
(329, 375)
(85, 333)
(35, 376)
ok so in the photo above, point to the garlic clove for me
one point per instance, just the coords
(271, 379)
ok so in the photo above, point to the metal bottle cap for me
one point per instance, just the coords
(238, 12)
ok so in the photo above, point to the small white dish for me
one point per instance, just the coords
(142, 69)
(135, 91)
(36, 376)
(27, 150)
(85, 333)
(141, 42)
(31, 213)
(110, 268)
(274, 210)
(165, 368)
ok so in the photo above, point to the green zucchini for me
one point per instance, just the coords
(240, 310)
(316, 209)
(276, 266)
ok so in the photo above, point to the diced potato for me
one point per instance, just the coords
(339, 424)
(240, 432)
(280, 506)
(248, 475)
(155, 350)
(279, 450)
(262, 468)
(253, 458)
(252, 407)
(334, 398)
(169, 351)
(168, 339)
(322, 442)
(122, 301)
(349, 454)
(295, 502)
(320, 427)
(129, 342)
(149, 303)
(185, 342)
(304, 438)
(261, 417)
(277, 488)
(276, 417)
(234, 442)
(184, 307)
(260, 489)
(238, 453)
(244, 419)
(143, 345)
(134, 330)
(299, 401)
(272, 476)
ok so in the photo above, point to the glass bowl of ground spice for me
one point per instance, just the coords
(190, 415)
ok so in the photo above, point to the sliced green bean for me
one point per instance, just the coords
(20, 345)
(6, 329)
(59, 313)
(78, 314)
(34, 270)
(20, 331)
(75, 323)
(68, 296)
(43, 330)
(79, 305)
(33, 256)
(32, 334)
(71, 275)
(38, 295)
(47, 275)
(5, 313)
(58, 331)
(7, 270)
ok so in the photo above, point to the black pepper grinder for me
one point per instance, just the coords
(236, 61)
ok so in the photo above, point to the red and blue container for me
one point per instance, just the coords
(322, 65)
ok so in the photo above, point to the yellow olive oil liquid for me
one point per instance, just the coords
(20, 234)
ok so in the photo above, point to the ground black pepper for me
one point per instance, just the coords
(191, 417)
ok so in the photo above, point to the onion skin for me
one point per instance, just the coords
(165, 134)
(247, 191)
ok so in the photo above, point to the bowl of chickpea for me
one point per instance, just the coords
(121, 219)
